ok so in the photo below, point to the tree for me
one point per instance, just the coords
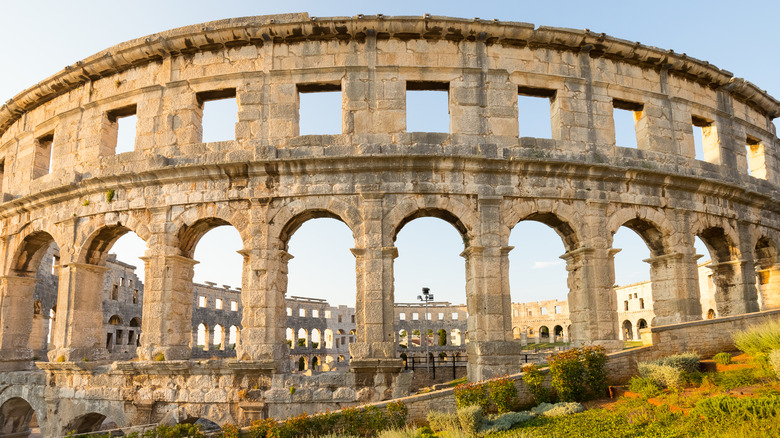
(442, 337)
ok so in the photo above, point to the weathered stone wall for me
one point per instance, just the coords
(376, 177)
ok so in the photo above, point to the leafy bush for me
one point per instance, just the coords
(774, 361)
(230, 431)
(440, 421)
(722, 358)
(732, 408)
(470, 418)
(470, 394)
(534, 378)
(647, 388)
(760, 339)
(177, 431)
(728, 380)
(261, 428)
(397, 412)
(684, 362)
(579, 374)
(665, 376)
(503, 393)
(557, 409)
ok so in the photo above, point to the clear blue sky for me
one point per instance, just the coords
(42, 37)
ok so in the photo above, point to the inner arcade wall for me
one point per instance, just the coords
(64, 183)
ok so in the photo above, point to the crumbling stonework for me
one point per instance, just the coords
(64, 183)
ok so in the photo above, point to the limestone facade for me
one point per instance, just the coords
(63, 182)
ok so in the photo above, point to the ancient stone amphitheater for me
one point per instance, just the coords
(63, 182)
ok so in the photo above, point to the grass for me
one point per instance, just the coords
(544, 345)
(632, 344)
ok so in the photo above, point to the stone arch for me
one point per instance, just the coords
(294, 214)
(767, 272)
(558, 332)
(115, 320)
(456, 213)
(135, 322)
(85, 423)
(96, 246)
(302, 334)
(544, 332)
(15, 417)
(559, 216)
(720, 243)
(765, 252)
(97, 235)
(628, 330)
(190, 233)
(302, 364)
(641, 324)
(711, 314)
(29, 253)
(651, 225)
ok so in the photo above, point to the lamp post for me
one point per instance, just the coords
(425, 298)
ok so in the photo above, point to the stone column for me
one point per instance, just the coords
(675, 288)
(263, 333)
(167, 310)
(491, 349)
(769, 287)
(592, 307)
(78, 329)
(16, 318)
(374, 347)
(734, 287)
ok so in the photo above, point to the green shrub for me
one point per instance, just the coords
(261, 428)
(647, 388)
(557, 409)
(503, 393)
(440, 421)
(760, 339)
(177, 431)
(534, 378)
(728, 380)
(397, 413)
(469, 394)
(230, 431)
(665, 376)
(470, 418)
(735, 409)
(774, 361)
(579, 374)
(684, 362)
(722, 358)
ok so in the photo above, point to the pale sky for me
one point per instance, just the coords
(42, 37)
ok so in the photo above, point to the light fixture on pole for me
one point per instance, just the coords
(425, 298)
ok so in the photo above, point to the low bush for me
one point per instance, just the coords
(470, 418)
(440, 421)
(722, 358)
(647, 388)
(728, 380)
(504, 421)
(735, 409)
(503, 393)
(760, 339)
(534, 378)
(397, 412)
(471, 394)
(557, 409)
(665, 376)
(579, 374)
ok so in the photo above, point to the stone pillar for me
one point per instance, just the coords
(734, 287)
(374, 347)
(78, 329)
(263, 333)
(769, 287)
(491, 349)
(16, 318)
(167, 310)
(675, 289)
(38, 335)
(592, 307)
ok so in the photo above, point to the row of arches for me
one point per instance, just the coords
(316, 339)
(435, 338)
(671, 252)
(217, 338)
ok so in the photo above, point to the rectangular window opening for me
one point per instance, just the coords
(415, 316)
(754, 154)
(302, 312)
(543, 311)
(625, 115)
(625, 305)
(454, 316)
(218, 303)
(701, 128)
(220, 114)
(327, 314)
(402, 316)
(558, 310)
(201, 301)
(43, 155)
(427, 106)
(123, 122)
(115, 293)
(534, 107)
(315, 313)
(234, 306)
(320, 107)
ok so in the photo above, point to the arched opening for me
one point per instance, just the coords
(316, 338)
(711, 314)
(442, 334)
(456, 338)
(558, 332)
(641, 324)
(724, 286)
(17, 418)
(628, 331)
(37, 256)
(302, 338)
(203, 337)
(217, 277)
(91, 422)
(429, 244)
(233, 337)
(302, 364)
(328, 338)
(403, 339)
(219, 337)
(315, 362)
(544, 334)
(767, 274)
(290, 336)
